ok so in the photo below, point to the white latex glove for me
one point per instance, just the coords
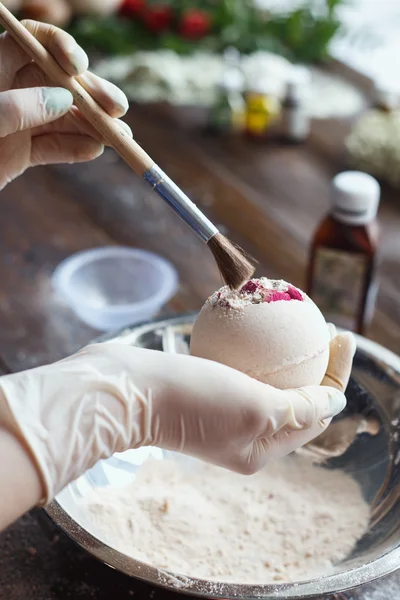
(38, 124)
(110, 397)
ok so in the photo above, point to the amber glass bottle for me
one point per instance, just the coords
(342, 269)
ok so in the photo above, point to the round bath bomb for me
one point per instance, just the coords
(268, 329)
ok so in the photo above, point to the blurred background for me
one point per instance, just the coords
(253, 108)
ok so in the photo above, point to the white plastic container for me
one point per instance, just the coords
(112, 287)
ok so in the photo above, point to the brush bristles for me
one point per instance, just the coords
(234, 264)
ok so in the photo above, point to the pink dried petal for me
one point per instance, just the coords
(294, 293)
(276, 296)
(250, 287)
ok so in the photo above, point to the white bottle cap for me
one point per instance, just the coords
(355, 197)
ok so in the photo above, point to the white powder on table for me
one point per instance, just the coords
(286, 523)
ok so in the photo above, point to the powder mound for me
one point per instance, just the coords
(287, 523)
(256, 291)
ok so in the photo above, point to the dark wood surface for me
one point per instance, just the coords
(269, 198)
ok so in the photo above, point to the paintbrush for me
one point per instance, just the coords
(234, 265)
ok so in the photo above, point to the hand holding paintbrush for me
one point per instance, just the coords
(234, 266)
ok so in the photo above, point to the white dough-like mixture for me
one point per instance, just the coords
(286, 523)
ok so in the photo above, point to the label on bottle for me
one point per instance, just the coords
(257, 122)
(338, 285)
(261, 110)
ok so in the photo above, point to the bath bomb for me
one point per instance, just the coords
(268, 329)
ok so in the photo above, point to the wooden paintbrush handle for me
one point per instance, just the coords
(108, 127)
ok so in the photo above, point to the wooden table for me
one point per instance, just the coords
(268, 198)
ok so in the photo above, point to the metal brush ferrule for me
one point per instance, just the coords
(180, 203)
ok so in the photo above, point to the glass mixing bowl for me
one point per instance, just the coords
(371, 454)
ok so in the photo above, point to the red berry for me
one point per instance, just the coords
(195, 24)
(157, 18)
(132, 8)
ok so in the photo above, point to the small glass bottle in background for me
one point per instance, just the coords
(295, 121)
(228, 114)
(342, 269)
(263, 108)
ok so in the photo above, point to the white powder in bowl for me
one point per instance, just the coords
(289, 522)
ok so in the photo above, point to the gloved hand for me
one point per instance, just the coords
(112, 397)
(38, 124)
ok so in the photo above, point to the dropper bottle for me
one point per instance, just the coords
(343, 259)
